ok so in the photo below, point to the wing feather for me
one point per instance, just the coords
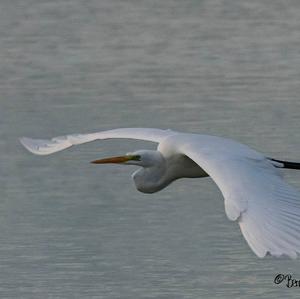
(266, 208)
(49, 146)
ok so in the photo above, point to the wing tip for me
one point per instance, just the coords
(283, 254)
(26, 142)
(31, 145)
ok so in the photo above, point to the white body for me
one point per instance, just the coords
(266, 208)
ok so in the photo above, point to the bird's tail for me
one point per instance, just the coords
(286, 164)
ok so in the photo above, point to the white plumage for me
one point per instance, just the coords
(266, 208)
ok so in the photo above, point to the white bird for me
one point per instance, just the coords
(266, 208)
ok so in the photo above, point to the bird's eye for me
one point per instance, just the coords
(136, 158)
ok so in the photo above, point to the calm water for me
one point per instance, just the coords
(72, 230)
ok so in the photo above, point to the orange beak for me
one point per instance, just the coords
(119, 159)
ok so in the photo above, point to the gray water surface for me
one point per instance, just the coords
(69, 229)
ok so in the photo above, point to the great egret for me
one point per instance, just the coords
(266, 208)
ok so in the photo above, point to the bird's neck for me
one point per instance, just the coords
(151, 179)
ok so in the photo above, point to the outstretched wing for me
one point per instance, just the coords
(49, 146)
(267, 209)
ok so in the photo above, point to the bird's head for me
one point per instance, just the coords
(147, 179)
